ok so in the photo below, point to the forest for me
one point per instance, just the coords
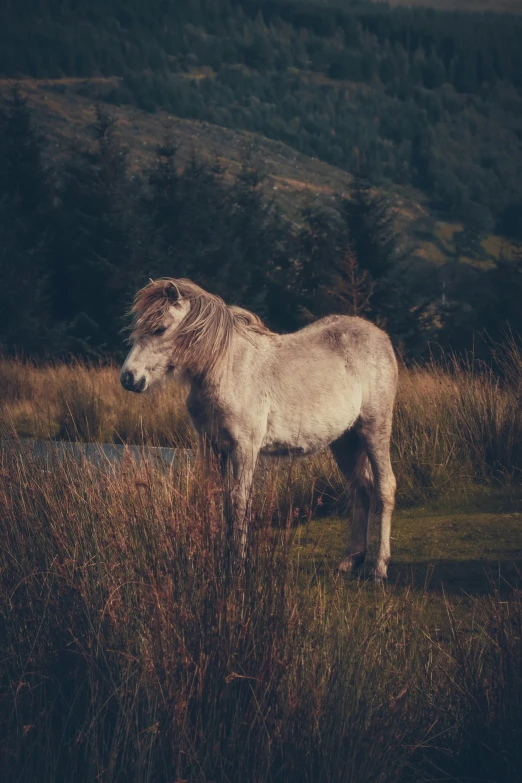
(79, 238)
(398, 97)
(411, 96)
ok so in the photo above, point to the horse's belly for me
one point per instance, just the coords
(284, 438)
(281, 449)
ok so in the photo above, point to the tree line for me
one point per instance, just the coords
(77, 241)
(419, 97)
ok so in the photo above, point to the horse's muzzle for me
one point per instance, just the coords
(130, 383)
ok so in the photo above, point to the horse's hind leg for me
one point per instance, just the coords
(376, 438)
(243, 461)
(353, 464)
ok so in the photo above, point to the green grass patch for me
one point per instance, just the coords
(434, 547)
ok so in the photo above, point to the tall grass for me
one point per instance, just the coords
(459, 423)
(456, 424)
(133, 648)
(86, 402)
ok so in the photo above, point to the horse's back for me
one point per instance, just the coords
(321, 379)
(362, 345)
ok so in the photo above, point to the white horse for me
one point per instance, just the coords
(254, 392)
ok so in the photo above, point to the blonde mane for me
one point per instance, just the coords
(202, 341)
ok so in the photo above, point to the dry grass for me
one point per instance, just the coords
(456, 425)
(86, 402)
(132, 647)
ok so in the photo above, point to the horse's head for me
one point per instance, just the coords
(179, 326)
(159, 309)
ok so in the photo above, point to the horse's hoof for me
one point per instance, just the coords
(380, 575)
(346, 566)
(351, 563)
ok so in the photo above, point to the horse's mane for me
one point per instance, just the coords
(203, 338)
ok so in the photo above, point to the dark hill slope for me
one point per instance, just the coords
(63, 110)
(415, 96)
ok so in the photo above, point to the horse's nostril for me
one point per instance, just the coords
(127, 380)
(130, 383)
(140, 385)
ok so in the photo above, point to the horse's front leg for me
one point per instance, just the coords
(211, 455)
(243, 464)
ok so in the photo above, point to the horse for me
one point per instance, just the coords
(252, 391)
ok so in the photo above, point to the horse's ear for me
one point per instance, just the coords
(171, 291)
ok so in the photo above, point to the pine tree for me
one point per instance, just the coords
(254, 231)
(185, 210)
(331, 278)
(163, 208)
(318, 245)
(352, 262)
(25, 199)
(350, 286)
(259, 268)
(368, 219)
(204, 196)
(397, 302)
(501, 312)
(95, 242)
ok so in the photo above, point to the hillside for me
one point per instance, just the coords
(359, 99)
(413, 96)
(63, 111)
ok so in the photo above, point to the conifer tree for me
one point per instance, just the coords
(350, 286)
(163, 207)
(353, 263)
(255, 250)
(397, 301)
(332, 280)
(95, 242)
(25, 199)
(318, 245)
(500, 313)
(224, 235)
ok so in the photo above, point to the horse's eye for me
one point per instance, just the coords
(160, 330)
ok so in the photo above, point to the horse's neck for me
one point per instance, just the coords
(204, 389)
(243, 352)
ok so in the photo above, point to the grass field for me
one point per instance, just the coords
(456, 425)
(467, 548)
(133, 647)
